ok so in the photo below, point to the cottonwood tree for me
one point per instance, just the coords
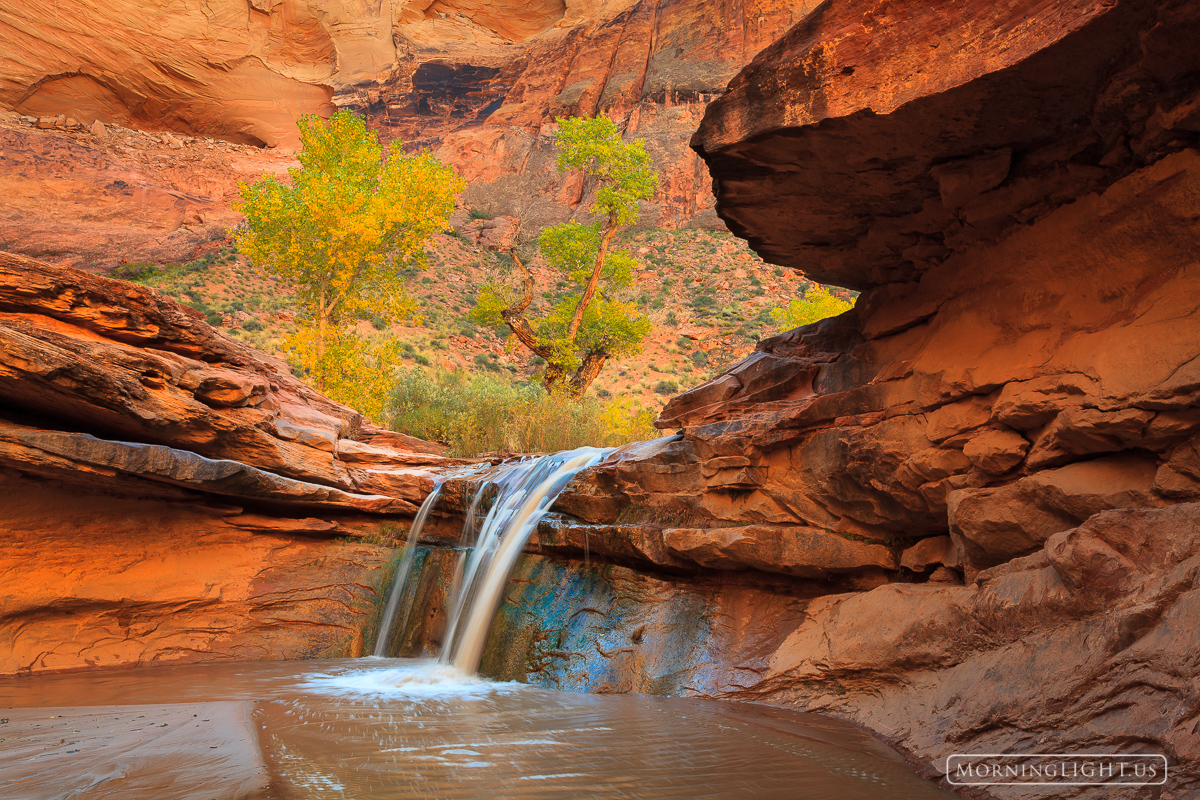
(590, 324)
(340, 234)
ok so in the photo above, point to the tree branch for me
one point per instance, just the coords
(581, 306)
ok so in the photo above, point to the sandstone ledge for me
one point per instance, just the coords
(172, 495)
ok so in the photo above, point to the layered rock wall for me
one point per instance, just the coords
(169, 494)
(481, 84)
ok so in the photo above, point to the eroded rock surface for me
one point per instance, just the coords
(1011, 411)
(95, 198)
(170, 494)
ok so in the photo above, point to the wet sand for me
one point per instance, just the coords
(195, 750)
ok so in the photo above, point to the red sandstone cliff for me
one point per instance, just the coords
(480, 83)
(170, 494)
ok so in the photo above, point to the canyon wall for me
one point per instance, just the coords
(169, 494)
(479, 83)
(1009, 419)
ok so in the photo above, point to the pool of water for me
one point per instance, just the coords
(396, 728)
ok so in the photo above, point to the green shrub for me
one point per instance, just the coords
(700, 358)
(214, 319)
(816, 304)
(482, 360)
(666, 387)
(134, 271)
(479, 413)
(252, 325)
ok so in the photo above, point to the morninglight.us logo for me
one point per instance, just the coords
(1056, 769)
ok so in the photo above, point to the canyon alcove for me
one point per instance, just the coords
(962, 517)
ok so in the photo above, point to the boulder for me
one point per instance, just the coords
(996, 451)
(998, 524)
(932, 551)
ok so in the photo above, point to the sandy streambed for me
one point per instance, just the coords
(200, 750)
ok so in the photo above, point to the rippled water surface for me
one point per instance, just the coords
(392, 728)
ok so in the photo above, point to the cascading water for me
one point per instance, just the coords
(520, 493)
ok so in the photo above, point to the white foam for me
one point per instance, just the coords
(420, 679)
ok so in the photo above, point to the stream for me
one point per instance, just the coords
(394, 728)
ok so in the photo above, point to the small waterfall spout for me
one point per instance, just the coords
(519, 494)
(526, 490)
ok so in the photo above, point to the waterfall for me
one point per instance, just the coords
(520, 493)
(526, 490)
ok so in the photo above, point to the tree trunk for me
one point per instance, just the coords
(320, 365)
(514, 318)
(526, 286)
(552, 377)
(593, 362)
(577, 317)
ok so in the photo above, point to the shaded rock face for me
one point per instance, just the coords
(907, 143)
(240, 70)
(1011, 412)
(171, 494)
(95, 581)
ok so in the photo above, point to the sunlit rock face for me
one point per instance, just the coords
(236, 69)
(1012, 410)
(171, 494)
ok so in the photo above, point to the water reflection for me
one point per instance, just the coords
(391, 728)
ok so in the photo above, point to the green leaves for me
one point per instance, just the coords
(490, 305)
(571, 248)
(345, 227)
(593, 146)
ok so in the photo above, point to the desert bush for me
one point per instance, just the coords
(816, 304)
(480, 413)
(134, 271)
